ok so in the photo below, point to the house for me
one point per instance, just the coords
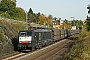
(57, 22)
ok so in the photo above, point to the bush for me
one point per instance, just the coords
(82, 35)
(81, 48)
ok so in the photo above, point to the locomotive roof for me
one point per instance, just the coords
(42, 30)
(38, 30)
(26, 30)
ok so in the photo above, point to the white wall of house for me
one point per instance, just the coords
(73, 28)
(61, 21)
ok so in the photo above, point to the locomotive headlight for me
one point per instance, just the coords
(29, 41)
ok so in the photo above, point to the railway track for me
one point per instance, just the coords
(51, 52)
(12, 56)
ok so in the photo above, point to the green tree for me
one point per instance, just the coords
(88, 19)
(37, 16)
(19, 14)
(30, 14)
(7, 5)
(88, 7)
(80, 23)
(33, 16)
(50, 16)
(88, 24)
(30, 11)
(73, 23)
(8, 9)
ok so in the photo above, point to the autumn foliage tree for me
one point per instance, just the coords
(65, 25)
(43, 20)
(49, 20)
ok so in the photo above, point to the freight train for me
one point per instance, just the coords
(33, 39)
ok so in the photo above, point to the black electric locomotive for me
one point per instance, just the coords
(31, 39)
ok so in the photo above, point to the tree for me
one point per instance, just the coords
(50, 16)
(73, 23)
(45, 20)
(7, 6)
(20, 13)
(88, 19)
(66, 26)
(30, 14)
(37, 17)
(89, 9)
(88, 25)
(33, 16)
(49, 21)
(66, 21)
(30, 11)
(42, 19)
(8, 9)
(77, 24)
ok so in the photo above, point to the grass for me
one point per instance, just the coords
(6, 54)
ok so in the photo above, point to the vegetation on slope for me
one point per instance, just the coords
(81, 48)
(8, 35)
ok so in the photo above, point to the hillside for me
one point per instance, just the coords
(8, 35)
(81, 48)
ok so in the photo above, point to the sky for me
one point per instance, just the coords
(63, 9)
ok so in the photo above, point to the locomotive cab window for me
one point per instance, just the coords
(25, 34)
(22, 34)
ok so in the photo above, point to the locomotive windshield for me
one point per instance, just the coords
(25, 34)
